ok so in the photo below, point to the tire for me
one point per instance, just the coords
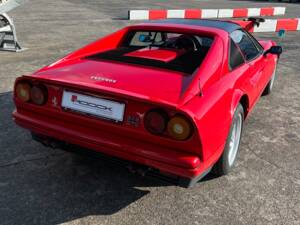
(269, 87)
(228, 157)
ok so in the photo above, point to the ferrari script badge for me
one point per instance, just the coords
(105, 79)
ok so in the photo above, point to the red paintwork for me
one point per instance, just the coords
(157, 54)
(208, 98)
(192, 13)
(156, 14)
(267, 11)
(287, 24)
(240, 12)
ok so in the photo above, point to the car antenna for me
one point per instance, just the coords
(200, 88)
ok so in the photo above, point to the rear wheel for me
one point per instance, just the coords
(269, 87)
(227, 159)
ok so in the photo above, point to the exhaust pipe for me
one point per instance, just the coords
(47, 142)
(137, 169)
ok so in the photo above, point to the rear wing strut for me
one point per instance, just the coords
(254, 21)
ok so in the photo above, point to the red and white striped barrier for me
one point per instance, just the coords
(154, 14)
(273, 25)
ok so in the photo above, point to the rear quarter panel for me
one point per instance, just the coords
(210, 108)
(222, 92)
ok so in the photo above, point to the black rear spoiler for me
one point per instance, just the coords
(249, 23)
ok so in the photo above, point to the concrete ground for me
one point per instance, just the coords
(43, 186)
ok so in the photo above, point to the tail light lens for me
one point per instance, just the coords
(179, 127)
(156, 121)
(39, 95)
(23, 91)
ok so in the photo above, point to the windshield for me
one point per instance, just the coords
(166, 40)
(173, 51)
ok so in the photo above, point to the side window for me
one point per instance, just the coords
(204, 41)
(235, 58)
(248, 48)
(257, 44)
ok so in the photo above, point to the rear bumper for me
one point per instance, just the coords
(182, 164)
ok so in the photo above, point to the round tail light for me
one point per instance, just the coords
(38, 95)
(179, 127)
(156, 121)
(23, 91)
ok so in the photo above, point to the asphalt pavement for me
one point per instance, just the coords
(43, 186)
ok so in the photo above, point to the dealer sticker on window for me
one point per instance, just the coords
(93, 106)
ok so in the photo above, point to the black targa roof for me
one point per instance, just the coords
(223, 25)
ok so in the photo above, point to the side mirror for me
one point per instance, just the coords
(275, 50)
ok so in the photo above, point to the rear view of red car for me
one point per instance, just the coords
(170, 95)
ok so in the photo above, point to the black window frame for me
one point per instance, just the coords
(229, 54)
(257, 44)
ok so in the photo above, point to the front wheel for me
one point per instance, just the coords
(227, 159)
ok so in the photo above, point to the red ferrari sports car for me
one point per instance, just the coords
(170, 95)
